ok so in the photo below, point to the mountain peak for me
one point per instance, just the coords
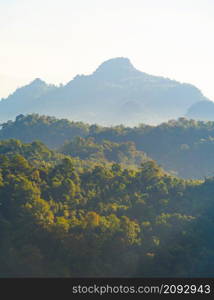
(37, 82)
(115, 67)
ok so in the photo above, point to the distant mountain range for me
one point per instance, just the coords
(115, 93)
(202, 110)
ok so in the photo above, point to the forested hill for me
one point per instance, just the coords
(183, 147)
(49, 130)
(116, 92)
(60, 219)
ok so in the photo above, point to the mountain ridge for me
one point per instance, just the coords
(116, 92)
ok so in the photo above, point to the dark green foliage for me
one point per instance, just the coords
(34, 151)
(183, 147)
(88, 149)
(49, 130)
(66, 219)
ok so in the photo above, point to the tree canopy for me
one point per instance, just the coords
(66, 218)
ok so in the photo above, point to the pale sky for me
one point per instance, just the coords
(58, 39)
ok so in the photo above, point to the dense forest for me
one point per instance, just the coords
(62, 216)
(182, 147)
(87, 149)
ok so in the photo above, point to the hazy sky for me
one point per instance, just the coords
(57, 39)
